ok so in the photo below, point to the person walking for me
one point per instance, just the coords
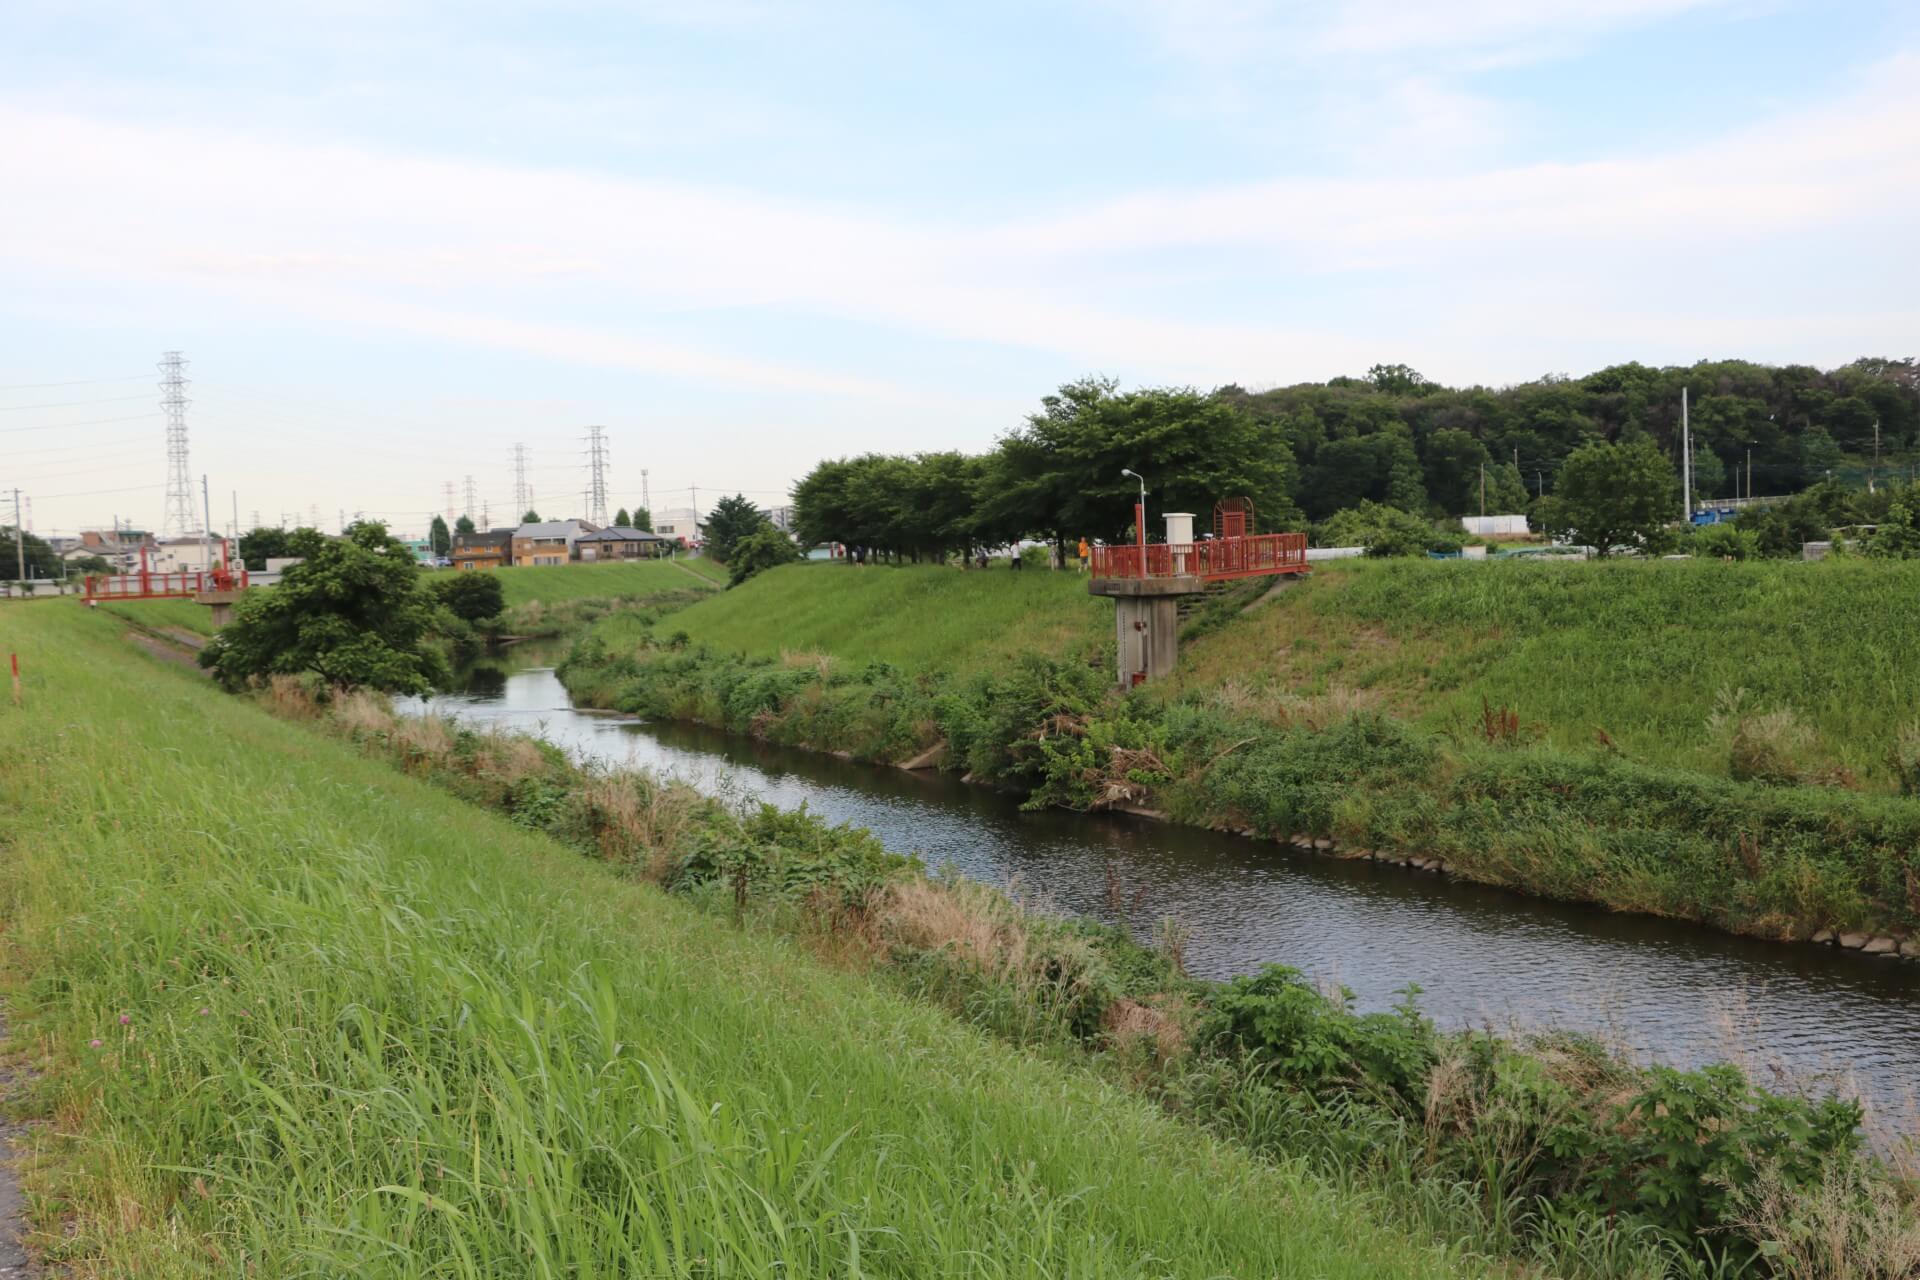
(1086, 555)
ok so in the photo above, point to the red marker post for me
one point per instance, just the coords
(16, 677)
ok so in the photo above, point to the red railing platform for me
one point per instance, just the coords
(163, 586)
(1215, 560)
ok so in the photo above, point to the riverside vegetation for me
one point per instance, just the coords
(295, 1012)
(1699, 740)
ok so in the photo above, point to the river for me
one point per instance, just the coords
(1661, 990)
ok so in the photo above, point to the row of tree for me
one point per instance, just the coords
(1393, 439)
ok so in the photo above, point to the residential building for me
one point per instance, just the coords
(548, 542)
(490, 550)
(780, 517)
(422, 549)
(188, 554)
(118, 547)
(682, 524)
(619, 542)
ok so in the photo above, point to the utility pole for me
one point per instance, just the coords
(19, 540)
(234, 532)
(1875, 473)
(449, 504)
(1483, 489)
(646, 500)
(1749, 473)
(206, 527)
(1686, 462)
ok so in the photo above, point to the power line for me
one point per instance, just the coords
(78, 382)
(90, 422)
(66, 404)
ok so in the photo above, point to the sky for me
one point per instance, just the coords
(395, 240)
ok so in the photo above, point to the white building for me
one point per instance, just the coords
(185, 555)
(780, 517)
(678, 522)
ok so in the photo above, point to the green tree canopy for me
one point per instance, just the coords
(40, 559)
(731, 521)
(440, 536)
(353, 613)
(621, 518)
(306, 541)
(1613, 495)
(470, 596)
(764, 548)
(463, 525)
(642, 520)
(530, 517)
(259, 545)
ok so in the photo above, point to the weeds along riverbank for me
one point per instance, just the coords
(294, 1012)
(1546, 1148)
(1770, 853)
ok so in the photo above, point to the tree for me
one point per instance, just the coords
(1060, 474)
(352, 612)
(765, 548)
(620, 518)
(41, 560)
(440, 537)
(259, 545)
(471, 597)
(464, 525)
(1613, 495)
(1384, 531)
(642, 520)
(1897, 536)
(731, 521)
(306, 541)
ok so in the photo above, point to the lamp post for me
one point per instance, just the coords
(1140, 517)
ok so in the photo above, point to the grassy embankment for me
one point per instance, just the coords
(553, 584)
(296, 1013)
(1753, 716)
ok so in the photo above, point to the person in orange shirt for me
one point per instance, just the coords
(1086, 554)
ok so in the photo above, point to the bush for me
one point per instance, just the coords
(471, 597)
(1724, 542)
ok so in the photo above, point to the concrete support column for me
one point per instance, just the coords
(1146, 632)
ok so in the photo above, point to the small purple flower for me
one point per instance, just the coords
(245, 1014)
(204, 1011)
(93, 1044)
(125, 1018)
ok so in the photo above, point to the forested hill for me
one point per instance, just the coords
(1303, 453)
(1395, 437)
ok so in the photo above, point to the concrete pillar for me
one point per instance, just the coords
(1146, 633)
(222, 615)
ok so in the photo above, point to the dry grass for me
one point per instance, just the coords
(361, 712)
(808, 659)
(291, 696)
(641, 821)
(1846, 1228)
(966, 920)
(1278, 705)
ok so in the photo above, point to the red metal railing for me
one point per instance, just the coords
(1215, 561)
(163, 586)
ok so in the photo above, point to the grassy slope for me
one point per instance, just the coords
(1640, 651)
(165, 615)
(712, 570)
(351, 1024)
(550, 584)
(920, 617)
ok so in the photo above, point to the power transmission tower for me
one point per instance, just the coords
(173, 400)
(450, 511)
(522, 496)
(597, 468)
(646, 500)
(467, 510)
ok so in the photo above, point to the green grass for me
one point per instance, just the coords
(551, 584)
(1640, 652)
(712, 570)
(350, 1024)
(163, 615)
(921, 617)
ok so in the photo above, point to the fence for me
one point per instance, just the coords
(1216, 560)
(163, 586)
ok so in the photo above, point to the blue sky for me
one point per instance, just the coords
(395, 240)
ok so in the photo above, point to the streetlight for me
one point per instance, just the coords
(1140, 515)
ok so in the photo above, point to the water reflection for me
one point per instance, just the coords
(1665, 991)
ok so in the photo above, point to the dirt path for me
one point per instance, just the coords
(704, 580)
(14, 1260)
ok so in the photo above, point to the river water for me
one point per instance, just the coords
(1661, 990)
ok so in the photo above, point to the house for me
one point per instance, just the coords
(548, 542)
(490, 550)
(422, 549)
(118, 547)
(619, 542)
(682, 524)
(189, 554)
(780, 517)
